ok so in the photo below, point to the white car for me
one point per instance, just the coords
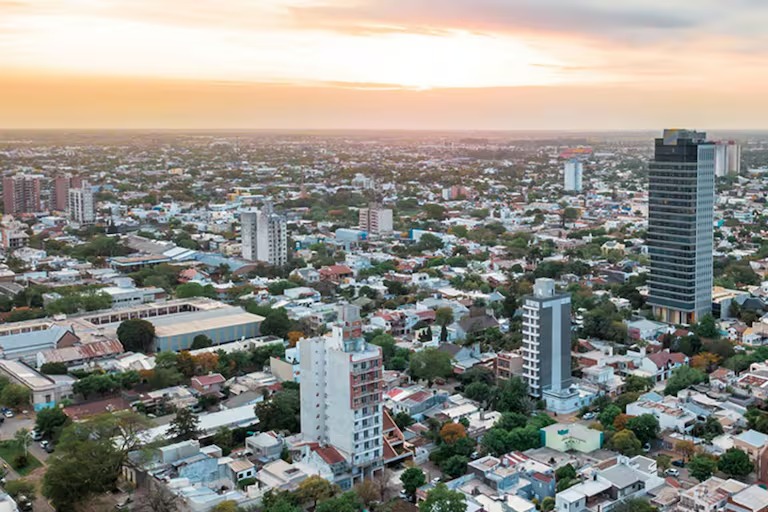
(672, 472)
(8, 414)
(589, 416)
(36, 436)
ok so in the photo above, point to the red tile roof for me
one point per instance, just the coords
(661, 359)
(330, 455)
(209, 380)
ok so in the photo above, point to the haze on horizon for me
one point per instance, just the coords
(383, 64)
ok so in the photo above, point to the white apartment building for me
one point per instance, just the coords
(80, 208)
(547, 347)
(375, 219)
(341, 393)
(264, 236)
(573, 172)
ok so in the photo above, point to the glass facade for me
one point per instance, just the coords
(681, 193)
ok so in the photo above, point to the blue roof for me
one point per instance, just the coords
(651, 396)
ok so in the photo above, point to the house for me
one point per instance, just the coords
(667, 411)
(46, 390)
(279, 475)
(208, 384)
(336, 273)
(265, 446)
(80, 353)
(753, 443)
(508, 365)
(574, 436)
(241, 469)
(395, 451)
(752, 499)
(710, 495)
(477, 320)
(414, 400)
(660, 365)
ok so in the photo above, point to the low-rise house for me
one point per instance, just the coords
(414, 400)
(668, 412)
(753, 443)
(45, 390)
(81, 353)
(264, 446)
(279, 475)
(574, 436)
(660, 365)
(208, 384)
(752, 499)
(508, 365)
(710, 495)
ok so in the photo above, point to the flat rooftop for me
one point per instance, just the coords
(32, 379)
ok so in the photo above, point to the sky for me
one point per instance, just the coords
(381, 64)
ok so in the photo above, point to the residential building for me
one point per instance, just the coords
(508, 365)
(727, 158)
(710, 495)
(14, 234)
(21, 194)
(547, 346)
(575, 436)
(46, 390)
(668, 412)
(681, 194)
(341, 396)
(573, 171)
(60, 191)
(80, 205)
(264, 236)
(375, 220)
(752, 499)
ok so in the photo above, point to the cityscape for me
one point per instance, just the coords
(383, 256)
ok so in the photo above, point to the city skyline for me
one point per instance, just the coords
(370, 64)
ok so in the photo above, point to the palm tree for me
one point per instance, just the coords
(23, 438)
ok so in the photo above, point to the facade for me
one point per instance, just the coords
(80, 207)
(564, 438)
(547, 346)
(710, 495)
(264, 236)
(680, 216)
(21, 194)
(573, 171)
(60, 191)
(341, 394)
(46, 390)
(727, 158)
(375, 219)
(752, 499)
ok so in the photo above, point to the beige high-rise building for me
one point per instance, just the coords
(375, 220)
(264, 235)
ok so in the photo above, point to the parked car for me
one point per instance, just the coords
(49, 448)
(37, 435)
(44, 444)
(679, 463)
(672, 472)
(589, 416)
(647, 447)
(8, 413)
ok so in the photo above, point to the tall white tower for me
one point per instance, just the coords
(572, 175)
(264, 236)
(80, 207)
(341, 393)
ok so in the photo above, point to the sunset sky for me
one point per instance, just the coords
(421, 64)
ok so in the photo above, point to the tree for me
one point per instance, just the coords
(707, 327)
(496, 442)
(23, 438)
(412, 478)
(478, 391)
(54, 368)
(511, 395)
(20, 487)
(682, 378)
(281, 412)
(276, 323)
(223, 439)
(685, 448)
(635, 383)
(347, 502)
(547, 504)
(136, 335)
(403, 420)
(663, 462)
(314, 489)
(51, 421)
(226, 506)
(89, 458)
(201, 341)
(444, 316)
(14, 396)
(608, 415)
(735, 463)
(704, 361)
(511, 420)
(454, 466)
(368, 492)
(442, 499)
(645, 427)
(626, 443)
(430, 364)
(184, 426)
(702, 467)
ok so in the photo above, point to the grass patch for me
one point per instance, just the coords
(9, 450)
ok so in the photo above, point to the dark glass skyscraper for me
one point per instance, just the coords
(681, 197)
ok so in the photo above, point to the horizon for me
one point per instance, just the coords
(486, 65)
